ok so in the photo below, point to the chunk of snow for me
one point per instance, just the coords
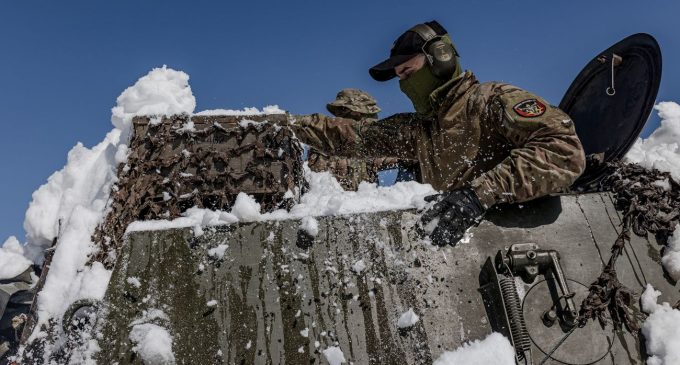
(359, 266)
(671, 255)
(494, 349)
(163, 91)
(407, 319)
(246, 208)
(661, 150)
(187, 127)
(334, 355)
(218, 252)
(153, 343)
(310, 225)
(664, 184)
(269, 109)
(134, 281)
(211, 303)
(661, 329)
(305, 332)
(12, 260)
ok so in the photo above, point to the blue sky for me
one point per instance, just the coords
(64, 63)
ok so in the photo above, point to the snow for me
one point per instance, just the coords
(661, 329)
(310, 225)
(187, 127)
(218, 252)
(269, 109)
(494, 349)
(211, 303)
(334, 355)
(12, 260)
(153, 343)
(325, 197)
(246, 208)
(163, 91)
(134, 281)
(671, 255)
(74, 200)
(661, 150)
(407, 319)
(359, 266)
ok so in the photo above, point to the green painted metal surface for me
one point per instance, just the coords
(281, 303)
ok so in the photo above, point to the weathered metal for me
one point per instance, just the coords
(270, 292)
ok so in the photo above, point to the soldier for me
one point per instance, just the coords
(479, 143)
(357, 105)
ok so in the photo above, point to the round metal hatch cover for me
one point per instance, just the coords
(610, 116)
(587, 345)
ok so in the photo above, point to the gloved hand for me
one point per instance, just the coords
(456, 210)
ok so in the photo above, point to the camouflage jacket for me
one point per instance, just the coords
(506, 143)
(350, 171)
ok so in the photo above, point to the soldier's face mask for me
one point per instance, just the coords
(418, 88)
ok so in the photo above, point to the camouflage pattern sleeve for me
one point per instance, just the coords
(546, 156)
(391, 137)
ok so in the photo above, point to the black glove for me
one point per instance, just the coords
(457, 211)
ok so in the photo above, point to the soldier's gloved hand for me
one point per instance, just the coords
(452, 214)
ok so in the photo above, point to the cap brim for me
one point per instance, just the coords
(385, 70)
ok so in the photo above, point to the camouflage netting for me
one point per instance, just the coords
(650, 202)
(202, 161)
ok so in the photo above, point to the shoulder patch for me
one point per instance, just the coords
(529, 108)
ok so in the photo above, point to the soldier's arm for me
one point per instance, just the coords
(391, 137)
(546, 155)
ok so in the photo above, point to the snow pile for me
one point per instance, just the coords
(661, 329)
(662, 149)
(671, 255)
(74, 200)
(12, 260)
(407, 319)
(153, 343)
(494, 349)
(163, 91)
(325, 197)
(269, 109)
(334, 355)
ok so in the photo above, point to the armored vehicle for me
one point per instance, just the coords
(266, 293)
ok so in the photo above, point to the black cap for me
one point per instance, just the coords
(405, 47)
